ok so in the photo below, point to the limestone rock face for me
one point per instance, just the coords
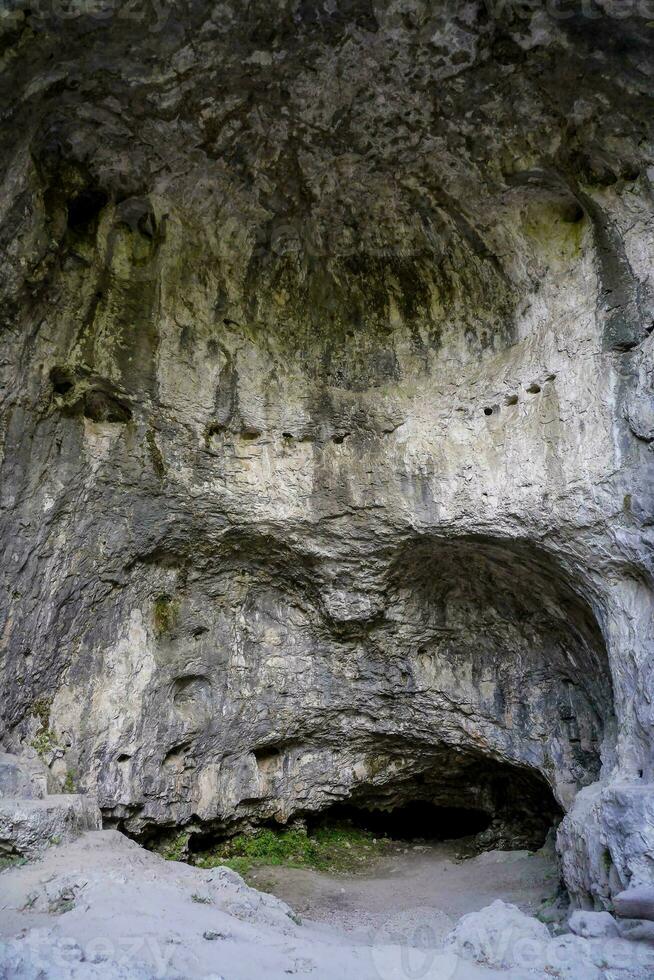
(22, 777)
(28, 827)
(327, 413)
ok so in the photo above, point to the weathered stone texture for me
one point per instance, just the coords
(327, 416)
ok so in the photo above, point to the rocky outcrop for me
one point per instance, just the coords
(502, 936)
(326, 428)
(31, 820)
(27, 827)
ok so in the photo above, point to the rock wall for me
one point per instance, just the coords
(327, 411)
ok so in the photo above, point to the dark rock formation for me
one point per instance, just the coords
(327, 412)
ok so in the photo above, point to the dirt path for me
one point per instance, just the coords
(412, 878)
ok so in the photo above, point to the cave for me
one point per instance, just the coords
(326, 428)
(481, 683)
(496, 804)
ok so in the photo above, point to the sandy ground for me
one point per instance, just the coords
(414, 877)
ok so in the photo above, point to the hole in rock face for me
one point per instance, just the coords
(191, 693)
(84, 209)
(213, 435)
(176, 756)
(266, 754)
(415, 820)
(62, 380)
(572, 213)
(100, 406)
(488, 411)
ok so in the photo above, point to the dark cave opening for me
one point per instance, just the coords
(85, 208)
(415, 820)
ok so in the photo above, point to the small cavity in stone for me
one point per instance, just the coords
(62, 381)
(99, 406)
(84, 209)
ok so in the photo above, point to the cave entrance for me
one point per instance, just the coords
(459, 794)
(416, 820)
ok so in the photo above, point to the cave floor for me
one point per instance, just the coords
(413, 877)
(103, 908)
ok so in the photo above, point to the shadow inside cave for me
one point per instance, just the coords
(416, 820)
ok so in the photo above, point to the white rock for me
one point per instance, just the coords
(635, 903)
(593, 925)
(500, 935)
(27, 827)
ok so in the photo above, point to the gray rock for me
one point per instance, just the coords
(635, 903)
(638, 930)
(29, 956)
(22, 777)
(326, 372)
(593, 925)
(500, 936)
(28, 826)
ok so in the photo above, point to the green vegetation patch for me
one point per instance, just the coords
(338, 848)
(11, 861)
(45, 740)
(165, 612)
(174, 849)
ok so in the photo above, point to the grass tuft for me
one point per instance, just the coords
(174, 849)
(338, 848)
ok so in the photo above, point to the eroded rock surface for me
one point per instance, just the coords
(31, 820)
(327, 414)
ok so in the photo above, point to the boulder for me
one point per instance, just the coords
(636, 903)
(499, 935)
(593, 925)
